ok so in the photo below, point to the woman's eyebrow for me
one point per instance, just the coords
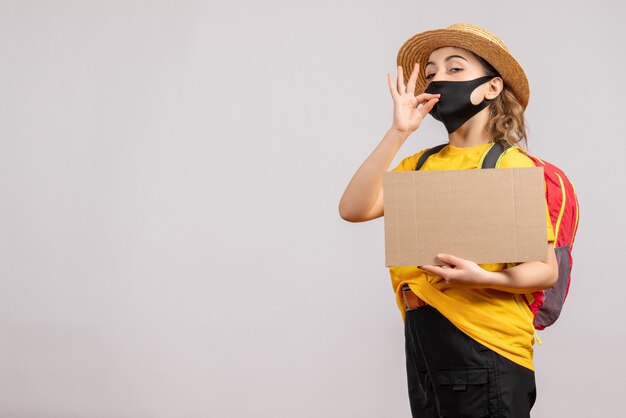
(447, 59)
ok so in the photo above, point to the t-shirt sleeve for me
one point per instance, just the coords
(514, 158)
(409, 163)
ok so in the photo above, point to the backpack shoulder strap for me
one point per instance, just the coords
(427, 154)
(490, 158)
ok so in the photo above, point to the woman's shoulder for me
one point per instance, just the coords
(515, 157)
(409, 163)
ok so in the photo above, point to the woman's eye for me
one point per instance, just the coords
(452, 70)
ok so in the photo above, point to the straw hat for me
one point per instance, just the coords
(473, 38)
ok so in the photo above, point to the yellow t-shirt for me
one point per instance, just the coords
(496, 319)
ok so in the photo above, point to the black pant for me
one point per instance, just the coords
(451, 375)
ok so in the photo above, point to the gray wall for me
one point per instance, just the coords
(170, 174)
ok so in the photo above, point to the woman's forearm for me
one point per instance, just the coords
(526, 277)
(364, 187)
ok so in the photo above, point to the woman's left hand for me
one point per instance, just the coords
(459, 271)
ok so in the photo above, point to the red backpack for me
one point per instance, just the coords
(562, 202)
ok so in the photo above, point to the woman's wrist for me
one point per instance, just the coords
(398, 135)
(509, 281)
(495, 278)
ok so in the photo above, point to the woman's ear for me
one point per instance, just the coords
(494, 88)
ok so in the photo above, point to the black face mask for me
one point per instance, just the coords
(454, 107)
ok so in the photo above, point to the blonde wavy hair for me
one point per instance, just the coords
(506, 123)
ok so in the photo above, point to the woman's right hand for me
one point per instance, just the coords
(409, 110)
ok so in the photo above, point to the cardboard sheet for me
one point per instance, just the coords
(483, 215)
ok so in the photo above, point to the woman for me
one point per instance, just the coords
(468, 334)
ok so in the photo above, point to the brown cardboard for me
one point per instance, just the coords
(484, 215)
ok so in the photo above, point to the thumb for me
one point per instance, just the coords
(428, 106)
(449, 259)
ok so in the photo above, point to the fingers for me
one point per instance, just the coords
(426, 108)
(447, 271)
(392, 89)
(433, 269)
(410, 87)
(450, 259)
(443, 272)
(424, 97)
(428, 101)
(401, 87)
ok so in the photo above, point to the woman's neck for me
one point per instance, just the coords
(472, 132)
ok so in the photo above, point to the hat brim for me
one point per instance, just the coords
(419, 47)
